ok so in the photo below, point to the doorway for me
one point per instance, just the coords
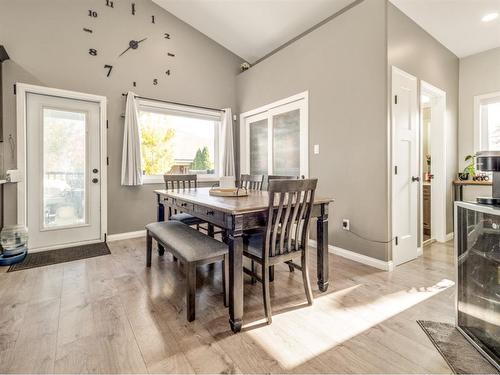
(433, 164)
(61, 158)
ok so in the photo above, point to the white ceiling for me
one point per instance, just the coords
(252, 28)
(456, 23)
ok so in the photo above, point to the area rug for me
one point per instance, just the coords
(67, 254)
(460, 355)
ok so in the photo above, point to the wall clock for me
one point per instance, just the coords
(129, 46)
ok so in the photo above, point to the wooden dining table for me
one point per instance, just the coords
(235, 215)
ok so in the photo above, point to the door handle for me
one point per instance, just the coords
(413, 179)
(95, 170)
(95, 180)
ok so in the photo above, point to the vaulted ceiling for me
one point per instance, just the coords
(252, 28)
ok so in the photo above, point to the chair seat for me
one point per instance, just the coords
(253, 244)
(187, 219)
(193, 245)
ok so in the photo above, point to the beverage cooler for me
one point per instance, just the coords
(477, 248)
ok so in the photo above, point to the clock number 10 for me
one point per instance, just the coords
(92, 13)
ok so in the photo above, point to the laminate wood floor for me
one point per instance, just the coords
(112, 315)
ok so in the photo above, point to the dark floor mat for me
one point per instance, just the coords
(68, 254)
(459, 353)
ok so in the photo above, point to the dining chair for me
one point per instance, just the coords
(251, 182)
(286, 236)
(178, 182)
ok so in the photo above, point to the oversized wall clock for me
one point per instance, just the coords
(128, 45)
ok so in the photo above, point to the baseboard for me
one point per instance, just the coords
(126, 236)
(420, 251)
(348, 254)
(450, 236)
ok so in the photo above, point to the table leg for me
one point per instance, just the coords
(235, 240)
(322, 249)
(160, 216)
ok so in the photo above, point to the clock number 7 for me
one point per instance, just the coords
(110, 68)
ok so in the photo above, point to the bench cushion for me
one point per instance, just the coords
(187, 242)
(187, 219)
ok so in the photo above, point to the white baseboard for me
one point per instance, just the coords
(369, 261)
(450, 236)
(126, 236)
(420, 251)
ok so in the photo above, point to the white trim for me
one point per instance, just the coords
(298, 101)
(62, 246)
(126, 235)
(477, 118)
(363, 259)
(22, 90)
(158, 179)
(450, 236)
(439, 156)
(420, 251)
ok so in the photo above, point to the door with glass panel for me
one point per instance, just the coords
(275, 141)
(63, 155)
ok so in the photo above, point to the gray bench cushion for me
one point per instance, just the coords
(187, 219)
(189, 243)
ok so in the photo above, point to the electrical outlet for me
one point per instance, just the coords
(346, 225)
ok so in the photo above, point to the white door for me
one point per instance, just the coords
(63, 162)
(274, 139)
(405, 169)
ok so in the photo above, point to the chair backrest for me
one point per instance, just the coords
(180, 181)
(251, 182)
(289, 213)
(275, 177)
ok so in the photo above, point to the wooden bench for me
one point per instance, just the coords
(192, 248)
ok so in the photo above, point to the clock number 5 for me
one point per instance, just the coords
(155, 81)
(110, 68)
(92, 52)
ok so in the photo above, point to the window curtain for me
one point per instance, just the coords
(131, 154)
(228, 138)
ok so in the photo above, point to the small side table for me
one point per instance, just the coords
(458, 187)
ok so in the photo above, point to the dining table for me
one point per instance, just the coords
(235, 216)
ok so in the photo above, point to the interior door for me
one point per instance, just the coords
(405, 166)
(62, 171)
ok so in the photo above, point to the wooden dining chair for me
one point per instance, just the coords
(251, 182)
(286, 236)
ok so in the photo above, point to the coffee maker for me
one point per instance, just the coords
(489, 161)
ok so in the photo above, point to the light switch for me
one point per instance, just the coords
(316, 149)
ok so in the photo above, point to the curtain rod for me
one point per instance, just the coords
(177, 103)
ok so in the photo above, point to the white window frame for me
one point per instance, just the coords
(299, 101)
(167, 108)
(480, 136)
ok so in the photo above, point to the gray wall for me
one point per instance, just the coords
(48, 47)
(479, 74)
(413, 50)
(343, 64)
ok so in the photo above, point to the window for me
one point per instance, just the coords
(178, 140)
(274, 138)
(487, 121)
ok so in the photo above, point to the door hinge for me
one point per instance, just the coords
(395, 99)
(15, 89)
(107, 124)
(105, 237)
(107, 160)
(395, 169)
(397, 240)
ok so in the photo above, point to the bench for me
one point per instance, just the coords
(192, 248)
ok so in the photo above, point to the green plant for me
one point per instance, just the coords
(471, 167)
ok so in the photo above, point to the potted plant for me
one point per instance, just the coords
(470, 169)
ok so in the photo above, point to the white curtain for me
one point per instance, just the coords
(131, 154)
(228, 139)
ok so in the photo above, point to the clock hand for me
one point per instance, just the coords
(133, 44)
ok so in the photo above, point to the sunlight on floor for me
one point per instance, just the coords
(299, 335)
